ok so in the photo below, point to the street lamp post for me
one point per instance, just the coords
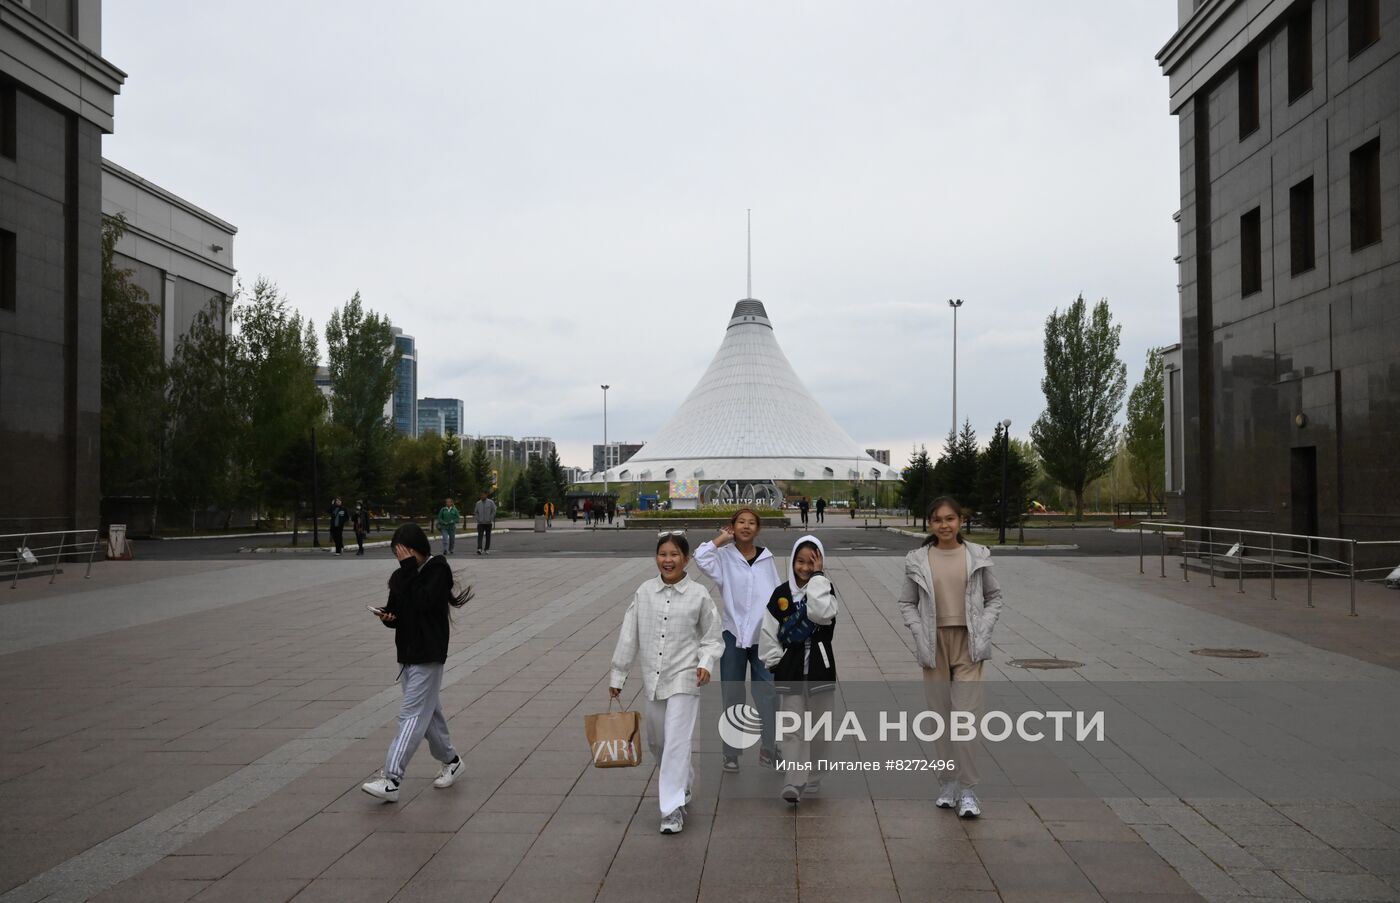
(955, 304)
(1005, 451)
(605, 444)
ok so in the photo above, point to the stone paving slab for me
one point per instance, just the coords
(212, 749)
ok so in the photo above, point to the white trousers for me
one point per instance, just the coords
(670, 726)
(797, 749)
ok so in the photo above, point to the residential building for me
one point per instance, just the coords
(879, 454)
(614, 454)
(1286, 374)
(502, 448)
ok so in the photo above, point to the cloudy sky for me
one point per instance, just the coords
(551, 195)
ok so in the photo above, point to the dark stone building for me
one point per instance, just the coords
(1287, 380)
(56, 100)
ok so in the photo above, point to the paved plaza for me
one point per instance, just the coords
(198, 730)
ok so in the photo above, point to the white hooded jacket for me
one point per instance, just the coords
(822, 605)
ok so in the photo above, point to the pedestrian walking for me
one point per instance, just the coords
(447, 518)
(359, 522)
(746, 576)
(421, 591)
(795, 644)
(587, 512)
(951, 601)
(673, 671)
(548, 514)
(485, 514)
(338, 518)
(612, 510)
(803, 506)
(821, 510)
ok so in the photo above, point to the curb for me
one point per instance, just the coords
(914, 534)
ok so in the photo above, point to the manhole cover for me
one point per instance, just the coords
(1230, 653)
(1045, 664)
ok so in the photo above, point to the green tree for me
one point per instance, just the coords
(955, 473)
(362, 360)
(1084, 384)
(134, 377)
(558, 482)
(207, 423)
(416, 474)
(481, 470)
(916, 485)
(1144, 434)
(1020, 474)
(276, 352)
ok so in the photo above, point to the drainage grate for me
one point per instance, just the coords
(1045, 664)
(1230, 653)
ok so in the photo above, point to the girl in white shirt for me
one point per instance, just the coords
(673, 626)
(746, 576)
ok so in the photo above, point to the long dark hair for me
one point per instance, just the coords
(412, 537)
(945, 501)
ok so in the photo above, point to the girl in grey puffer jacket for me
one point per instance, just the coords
(950, 601)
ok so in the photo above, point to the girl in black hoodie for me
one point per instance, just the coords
(420, 592)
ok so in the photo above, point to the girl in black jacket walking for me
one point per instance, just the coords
(420, 592)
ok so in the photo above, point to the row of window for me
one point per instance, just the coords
(1363, 30)
(1302, 222)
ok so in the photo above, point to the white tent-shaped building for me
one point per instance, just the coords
(750, 419)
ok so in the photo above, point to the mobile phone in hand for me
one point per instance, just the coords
(378, 611)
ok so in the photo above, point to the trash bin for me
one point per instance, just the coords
(540, 524)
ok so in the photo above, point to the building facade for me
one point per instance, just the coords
(180, 255)
(57, 97)
(879, 454)
(441, 416)
(501, 448)
(1289, 368)
(614, 454)
(402, 409)
(535, 447)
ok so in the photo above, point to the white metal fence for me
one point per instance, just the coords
(43, 552)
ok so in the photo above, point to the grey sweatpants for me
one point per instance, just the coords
(419, 714)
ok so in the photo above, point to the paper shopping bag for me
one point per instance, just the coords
(614, 738)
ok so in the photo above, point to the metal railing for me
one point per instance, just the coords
(1239, 553)
(51, 545)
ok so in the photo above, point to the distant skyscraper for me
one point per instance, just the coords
(402, 409)
(440, 415)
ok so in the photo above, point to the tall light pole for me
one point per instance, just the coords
(605, 444)
(955, 304)
(1005, 451)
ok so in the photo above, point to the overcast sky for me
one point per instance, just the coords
(551, 195)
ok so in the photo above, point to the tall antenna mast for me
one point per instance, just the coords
(748, 216)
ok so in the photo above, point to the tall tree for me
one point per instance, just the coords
(362, 362)
(207, 423)
(916, 484)
(1145, 435)
(482, 470)
(133, 377)
(955, 473)
(1084, 384)
(1020, 473)
(277, 354)
(559, 483)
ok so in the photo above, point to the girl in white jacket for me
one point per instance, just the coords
(798, 626)
(673, 627)
(746, 576)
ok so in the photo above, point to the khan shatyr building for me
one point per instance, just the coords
(749, 424)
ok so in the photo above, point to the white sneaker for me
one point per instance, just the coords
(672, 822)
(448, 774)
(792, 794)
(947, 795)
(967, 806)
(813, 787)
(382, 787)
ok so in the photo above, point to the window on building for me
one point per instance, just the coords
(7, 270)
(1301, 227)
(9, 114)
(1363, 24)
(1249, 94)
(1251, 254)
(1366, 194)
(1300, 62)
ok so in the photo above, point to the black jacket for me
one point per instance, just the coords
(813, 662)
(338, 516)
(419, 598)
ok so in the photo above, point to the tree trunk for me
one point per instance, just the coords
(1078, 504)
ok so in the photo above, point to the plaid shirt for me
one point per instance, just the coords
(670, 652)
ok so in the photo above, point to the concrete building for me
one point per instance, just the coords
(441, 416)
(879, 454)
(180, 254)
(502, 448)
(535, 446)
(614, 454)
(57, 97)
(402, 409)
(1288, 374)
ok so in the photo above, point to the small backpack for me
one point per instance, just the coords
(796, 628)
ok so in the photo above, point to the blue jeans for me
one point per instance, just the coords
(449, 538)
(736, 661)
